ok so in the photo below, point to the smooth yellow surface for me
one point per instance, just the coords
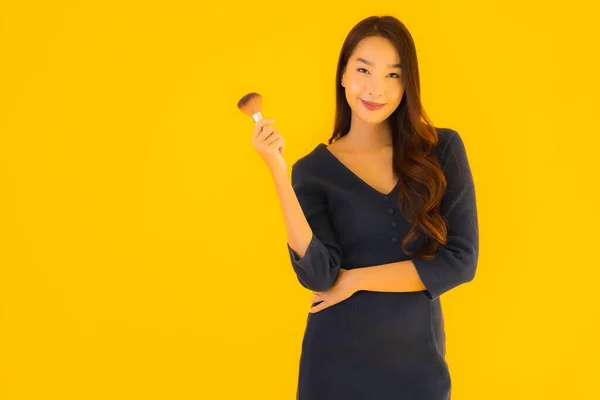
(142, 249)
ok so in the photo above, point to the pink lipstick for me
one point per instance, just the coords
(372, 106)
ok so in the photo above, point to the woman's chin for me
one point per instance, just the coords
(373, 118)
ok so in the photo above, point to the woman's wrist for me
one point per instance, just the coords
(355, 279)
(279, 172)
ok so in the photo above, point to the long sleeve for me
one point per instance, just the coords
(456, 262)
(319, 267)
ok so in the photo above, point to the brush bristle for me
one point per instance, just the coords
(250, 104)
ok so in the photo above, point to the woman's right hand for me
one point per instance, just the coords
(269, 144)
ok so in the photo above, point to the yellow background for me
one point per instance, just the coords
(142, 248)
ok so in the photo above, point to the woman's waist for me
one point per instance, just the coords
(365, 310)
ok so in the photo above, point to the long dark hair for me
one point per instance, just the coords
(414, 138)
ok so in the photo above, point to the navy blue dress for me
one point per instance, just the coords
(377, 345)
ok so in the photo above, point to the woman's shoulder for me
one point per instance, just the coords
(445, 137)
(452, 154)
(310, 163)
(450, 144)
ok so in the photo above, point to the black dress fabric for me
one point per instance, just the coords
(378, 345)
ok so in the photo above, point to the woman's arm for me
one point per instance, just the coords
(312, 246)
(453, 264)
(399, 276)
(297, 229)
(313, 251)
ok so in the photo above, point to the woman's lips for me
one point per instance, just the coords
(371, 106)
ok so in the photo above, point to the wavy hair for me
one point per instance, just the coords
(414, 138)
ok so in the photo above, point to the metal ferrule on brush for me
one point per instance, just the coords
(257, 116)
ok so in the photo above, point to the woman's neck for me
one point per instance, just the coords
(367, 137)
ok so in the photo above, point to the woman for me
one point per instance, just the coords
(380, 223)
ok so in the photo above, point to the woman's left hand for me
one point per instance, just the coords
(344, 287)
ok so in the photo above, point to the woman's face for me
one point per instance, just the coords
(372, 74)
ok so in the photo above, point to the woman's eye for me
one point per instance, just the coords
(393, 73)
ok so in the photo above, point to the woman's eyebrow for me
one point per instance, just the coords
(360, 59)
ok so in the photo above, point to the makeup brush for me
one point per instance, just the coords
(251, 105)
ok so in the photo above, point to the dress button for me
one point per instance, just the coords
(386, 199)
(390, 210)
(394, 239)
(394, 224)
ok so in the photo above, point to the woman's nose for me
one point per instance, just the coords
(375, 89)
(376, 92)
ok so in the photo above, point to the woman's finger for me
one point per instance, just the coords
(319, 307)
(265, 133)
(273, 138)
(260, 124)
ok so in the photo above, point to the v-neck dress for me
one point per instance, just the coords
(379, 345)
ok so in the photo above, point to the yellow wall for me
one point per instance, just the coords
(142, 249)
